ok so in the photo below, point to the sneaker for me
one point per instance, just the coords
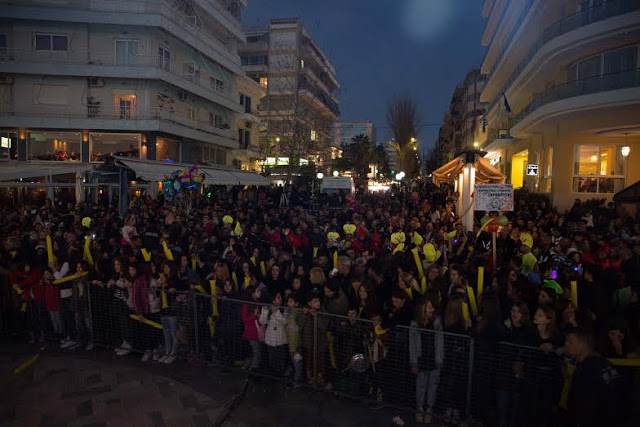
(456, 417)
(155, 355)
(447, 415)
(428, 415)
(169, 360)
(90, 346)
(67, 343)
(122, 352)
(420, 416)
(126, 346)
(147, 356)
(163, 358)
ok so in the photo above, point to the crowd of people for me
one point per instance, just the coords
(302, 294)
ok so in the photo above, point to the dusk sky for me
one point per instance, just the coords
(383, 47)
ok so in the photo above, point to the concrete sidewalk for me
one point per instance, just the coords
(99, 389)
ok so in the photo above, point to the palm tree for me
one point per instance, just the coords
(363, 154)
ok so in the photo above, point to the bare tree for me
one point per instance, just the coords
(402, 119)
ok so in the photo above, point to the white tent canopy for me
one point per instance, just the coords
(156, 171)
(10, 171)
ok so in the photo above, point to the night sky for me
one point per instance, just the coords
(383, 47)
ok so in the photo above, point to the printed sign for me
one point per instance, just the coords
(532, 170)
(493, 197)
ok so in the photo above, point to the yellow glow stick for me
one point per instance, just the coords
(167, 251)
(472, 301)
(574, 293)
(480, 281)
(69, 278)
(146, 321)
(49, 249)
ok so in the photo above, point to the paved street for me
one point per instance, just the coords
(96, 389)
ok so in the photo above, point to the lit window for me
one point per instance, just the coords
(264, 82)
(598, 169)
(193, 114)
(313, 135)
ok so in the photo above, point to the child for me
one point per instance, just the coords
(53, 303)
(294, 319)
(275, 336)
(252, 331)
(314, 351)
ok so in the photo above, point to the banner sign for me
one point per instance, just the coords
(493, 197)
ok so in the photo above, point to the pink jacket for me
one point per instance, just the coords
(249, 319)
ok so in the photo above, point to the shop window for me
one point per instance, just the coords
(56, 146)
(102, 145)
(167, 149)
(598, 169)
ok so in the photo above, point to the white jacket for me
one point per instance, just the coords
(276, 333)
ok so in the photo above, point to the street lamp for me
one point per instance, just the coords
(320, 175)
(476, 144)
(277, 139)
(336, 174)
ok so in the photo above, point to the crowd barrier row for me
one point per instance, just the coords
(405, 367)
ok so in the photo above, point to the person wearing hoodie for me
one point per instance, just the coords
(426, 353)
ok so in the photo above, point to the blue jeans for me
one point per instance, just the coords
(170, 328)
(427, 387)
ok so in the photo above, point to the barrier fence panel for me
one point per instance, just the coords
(457, 377)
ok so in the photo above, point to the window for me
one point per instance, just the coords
(55, 42)
(313, 135)
(240, 137)
(167, 149)
(193, 114)
(191, 71)
(164, 58)
(264, 82)
(126, 105)
(246, 101)
(217, 84)
(114, 144)
(126, 52)
(221, 157)
(3, 45)
(247, 138)
(548, 169)
(254, 60)
(615, 61)
(215, 120)
(59, 146)
(598, 169)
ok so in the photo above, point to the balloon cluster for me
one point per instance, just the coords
(181, 181)
(492, 223)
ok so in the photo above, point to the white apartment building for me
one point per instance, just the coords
(149, 79)
(344, 132)
(249, 125)
(301, 86)
(569, 70)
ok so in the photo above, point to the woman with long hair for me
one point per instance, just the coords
(120, 286)
(456, 347)
(426, 353)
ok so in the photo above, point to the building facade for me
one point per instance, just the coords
(301, 104)
(563, 89)
(344, 132)
(152, 79)
(248, 126)
(464, 118)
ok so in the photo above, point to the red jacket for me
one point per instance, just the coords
(249, 319)
(30, 284)
(51, 297)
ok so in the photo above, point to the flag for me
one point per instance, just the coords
(507, 107)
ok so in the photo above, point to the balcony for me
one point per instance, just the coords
(107, 64)
(599, 12)
(116, 117)
(172, 19)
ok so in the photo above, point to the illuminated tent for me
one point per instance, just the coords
(485, 173)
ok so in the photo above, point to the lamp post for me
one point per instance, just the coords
(336, 174)
(625, 154)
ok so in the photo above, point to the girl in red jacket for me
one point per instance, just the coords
(253, 332)
(53, 303)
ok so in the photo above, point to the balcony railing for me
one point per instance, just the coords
(166, 8)
(591, 85)
(115, 112)
(188, 71)
(598, 12)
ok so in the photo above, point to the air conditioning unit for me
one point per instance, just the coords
(96, 82)
(183, 95)
(6, 80)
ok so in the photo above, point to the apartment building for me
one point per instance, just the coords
(301, 86)
(248, 125)
(563, 89)
(344, 132)
(149, 79)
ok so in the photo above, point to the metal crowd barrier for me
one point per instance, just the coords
(460, 377)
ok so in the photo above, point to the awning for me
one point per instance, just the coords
(250, 178)
(218, 177)
(15, 170)
(156, 171)
(485, 173)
